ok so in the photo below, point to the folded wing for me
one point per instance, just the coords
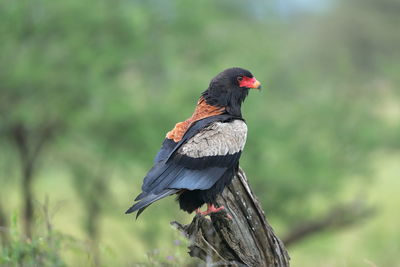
(206, 151)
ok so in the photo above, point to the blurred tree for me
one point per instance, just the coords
(29, 144)
(329, 74)
(91, 183)
(101, 82)
(4, 235)
(49, 80)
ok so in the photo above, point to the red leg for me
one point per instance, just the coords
(211, 208)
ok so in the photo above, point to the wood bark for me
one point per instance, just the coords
(239, 235)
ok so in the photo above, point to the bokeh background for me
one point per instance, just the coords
(89, 88)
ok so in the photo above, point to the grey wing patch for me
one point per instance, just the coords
(218, 139)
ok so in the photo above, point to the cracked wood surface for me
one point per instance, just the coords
(245, 239)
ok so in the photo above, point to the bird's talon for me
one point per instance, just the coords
(211, 209)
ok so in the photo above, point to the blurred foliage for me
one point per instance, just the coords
(115, 76)
(43, 251)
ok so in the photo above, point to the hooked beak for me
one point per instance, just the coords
(250, 83)
(256, 85)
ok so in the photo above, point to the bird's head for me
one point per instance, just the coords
(229, 89)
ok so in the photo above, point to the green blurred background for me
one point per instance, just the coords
(89, 88)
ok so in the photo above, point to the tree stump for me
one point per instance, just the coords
(244, 238)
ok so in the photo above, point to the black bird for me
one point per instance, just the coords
(200, 156)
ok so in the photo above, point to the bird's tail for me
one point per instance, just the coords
(147, 200)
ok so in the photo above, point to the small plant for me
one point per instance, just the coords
(40, 250)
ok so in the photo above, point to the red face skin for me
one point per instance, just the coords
(249, 82)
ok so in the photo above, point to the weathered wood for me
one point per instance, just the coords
(237, 236)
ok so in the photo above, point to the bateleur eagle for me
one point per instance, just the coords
(200, 156)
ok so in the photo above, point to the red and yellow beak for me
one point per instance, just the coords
(250, 83)
(256, 84)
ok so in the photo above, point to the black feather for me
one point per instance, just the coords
(224, 91)
(225, 161)
(167, 146)
(199, 125)
(198, 179)
(191, 200)
(148, 200)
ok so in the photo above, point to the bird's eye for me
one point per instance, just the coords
(239, 78)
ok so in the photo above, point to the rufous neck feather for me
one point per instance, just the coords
(203, 110)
